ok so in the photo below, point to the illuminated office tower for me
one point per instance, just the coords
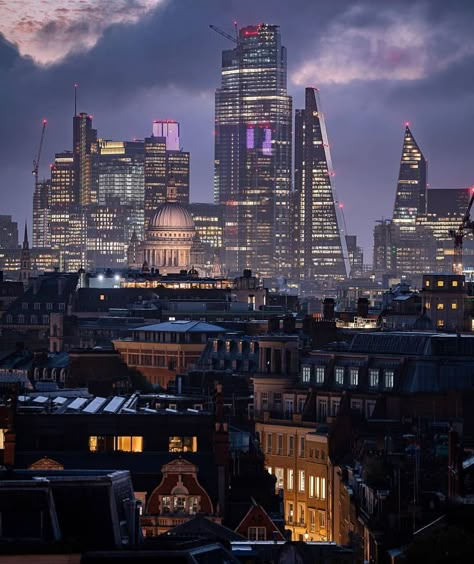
(122, 177)
(177, 160)
(85, 153)
(253, 132)
(66, 215)
(208, 219)
(410, 199)
(41, 214)
(160, 165)
(323, 251)
(155, 175)
(177, 165)
(107, 235)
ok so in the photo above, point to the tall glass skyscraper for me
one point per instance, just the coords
(253, 132)
(164, 158)
(122, 176)
(322, 241)
(85, 151)
(410, 200)
(41, 214)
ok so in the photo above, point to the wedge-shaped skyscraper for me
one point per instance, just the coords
(322, 249)
(410, 200)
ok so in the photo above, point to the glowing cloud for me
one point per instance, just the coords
(388, 46)
(48, 31)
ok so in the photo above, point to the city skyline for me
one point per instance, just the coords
(362, 109)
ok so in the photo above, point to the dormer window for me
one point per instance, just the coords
(354, 374)
(306, 374)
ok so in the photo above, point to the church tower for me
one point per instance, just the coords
(25, 260)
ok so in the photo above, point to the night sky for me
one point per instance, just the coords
(378, 64)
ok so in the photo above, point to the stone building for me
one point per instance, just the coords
(171, 243)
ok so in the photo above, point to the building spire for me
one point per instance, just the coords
(25, 260)
(26, 244)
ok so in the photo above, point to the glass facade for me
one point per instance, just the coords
(41, 214)
(160, 165)
(208, 219)
(322, 246)
(122, 176)
(253, 131)
(66, 218)
(410, 200)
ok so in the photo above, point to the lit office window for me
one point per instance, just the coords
(182, 444)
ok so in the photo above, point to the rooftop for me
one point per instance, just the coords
(183, 327)
(84, 403)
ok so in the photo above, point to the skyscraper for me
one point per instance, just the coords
(323, 251)
(8, 232)
(253, 130)
(107, 233)
(164, 158)
(122, 176)
(410, 199)
(155, 175)
(66, 223)
(209, 225)
(84, 150)
(41, 214)
(384, 257)
(169, 129)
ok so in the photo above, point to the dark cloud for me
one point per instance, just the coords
(168, 66)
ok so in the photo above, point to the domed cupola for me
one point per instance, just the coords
(171, 219)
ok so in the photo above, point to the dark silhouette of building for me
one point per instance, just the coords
(25, 260)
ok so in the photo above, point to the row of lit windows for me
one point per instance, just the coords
(440, 283)
(111, 443)
(339, 375)
(312, 525)
(440, 306)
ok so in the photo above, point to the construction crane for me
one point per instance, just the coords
(227, 35)
(38, 156)
(458, 235)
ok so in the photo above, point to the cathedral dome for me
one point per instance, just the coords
(172, 215)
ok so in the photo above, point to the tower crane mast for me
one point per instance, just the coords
(458, 235)
(36, 161)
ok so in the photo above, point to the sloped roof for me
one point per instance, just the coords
(201, 526)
